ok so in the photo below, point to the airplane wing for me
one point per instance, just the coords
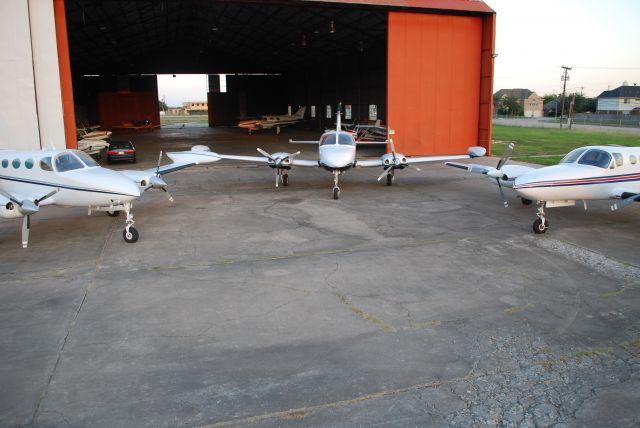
(628, 197)
(510, 172)
(409, 160)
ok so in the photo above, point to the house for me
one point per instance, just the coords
(622, 100)
(195, 107)
(530, 102)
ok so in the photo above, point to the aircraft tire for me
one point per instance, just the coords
(285, 179)
(134, 235)
(538, 227)
(389, 179)
(336, 193)
(526, 201)
(113, 213)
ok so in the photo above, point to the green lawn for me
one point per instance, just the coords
(173, 120)
(546, 146)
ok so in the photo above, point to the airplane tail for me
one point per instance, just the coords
(338, 119)
(300, 113)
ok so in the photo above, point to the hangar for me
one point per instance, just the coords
(423, 67)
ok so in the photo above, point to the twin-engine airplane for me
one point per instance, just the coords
(272, 121)
(336, 154)
(32, 179)
(586, 173)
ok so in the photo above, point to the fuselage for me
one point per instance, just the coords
(594, 172)
(28, 175)
(337, 150)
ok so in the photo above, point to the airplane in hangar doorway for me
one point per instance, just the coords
(272, 121)
(71, 178)
(586, 173)
(336, 154)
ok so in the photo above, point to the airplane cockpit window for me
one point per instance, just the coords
(345, 139)
(328, 139)
(45, 164)
(572, 156)
(85, 158)
(596, 157)
(67, 162)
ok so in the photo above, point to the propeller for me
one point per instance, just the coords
(498, 173)
(27, 208)
(624, 202)
(277, 162)
(158, 183)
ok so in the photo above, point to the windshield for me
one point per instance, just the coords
(67, 162)
(85, 158)
(572, 156)
(343, 139)
(595, 157)
(328, 139)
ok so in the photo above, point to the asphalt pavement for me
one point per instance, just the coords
(421, 304)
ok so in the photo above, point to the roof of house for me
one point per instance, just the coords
(520, 94)
(622, 92)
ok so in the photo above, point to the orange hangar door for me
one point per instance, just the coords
(433, 86)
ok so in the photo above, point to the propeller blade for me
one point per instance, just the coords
(26, 226)
(265, 154)
(505, 156)
(277, 176)
(47, 196)
(293, 155)
(624, 202)
(392, 146)
(385, 172)
(504, 199)
(158, 167)
(167, 194)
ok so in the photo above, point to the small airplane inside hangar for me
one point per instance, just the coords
(422, 68)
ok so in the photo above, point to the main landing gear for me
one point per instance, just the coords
(541, 224)
(336, 189)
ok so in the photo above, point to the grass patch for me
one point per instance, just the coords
(546, 146)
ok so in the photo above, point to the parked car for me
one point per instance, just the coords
(121, 151)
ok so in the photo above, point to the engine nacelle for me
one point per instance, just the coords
(9, 209)
(398, 161)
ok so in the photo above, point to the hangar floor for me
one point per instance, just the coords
(425, 303)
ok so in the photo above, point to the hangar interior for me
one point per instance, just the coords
(424, 67)
(276, 54)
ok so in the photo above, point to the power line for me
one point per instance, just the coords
(587, 67)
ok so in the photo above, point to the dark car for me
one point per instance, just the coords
(121, 151)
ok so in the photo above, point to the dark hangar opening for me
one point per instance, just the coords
(276, 54)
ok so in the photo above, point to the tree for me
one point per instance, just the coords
(510, 106)
(162, 105)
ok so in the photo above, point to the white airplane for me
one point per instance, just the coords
(71, 178)
(586, 173)
(337, 154)
(273, 121)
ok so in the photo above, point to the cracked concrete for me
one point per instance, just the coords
(425, 303)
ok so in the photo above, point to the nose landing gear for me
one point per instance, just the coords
(130, 233)
(336, 189)
(541, 224)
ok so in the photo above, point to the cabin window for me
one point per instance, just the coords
(633, 159)
(16, 163)
(28, 163)
(618, 159)
(45, 164)
(596, 157)
(5, 163)
(67, 162)
(572, 156)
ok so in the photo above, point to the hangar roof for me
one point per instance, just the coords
(226, 36)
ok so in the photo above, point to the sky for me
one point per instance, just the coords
(599, 39)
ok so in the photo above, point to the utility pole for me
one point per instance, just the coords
(564, 79)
